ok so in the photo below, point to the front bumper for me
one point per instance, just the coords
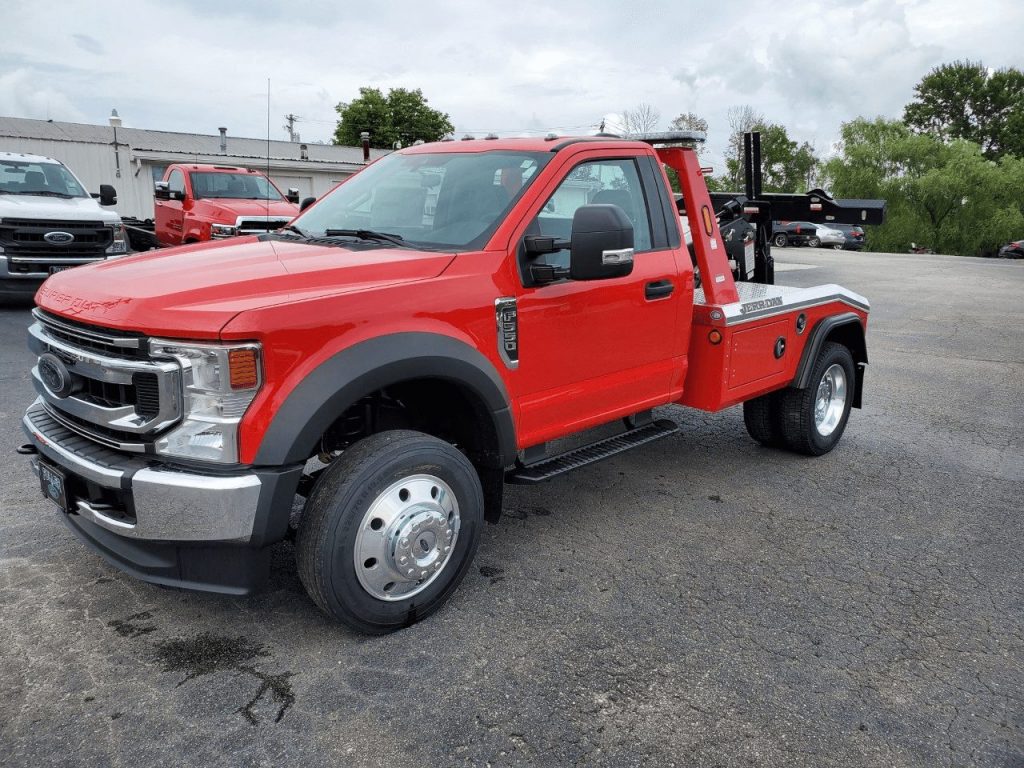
(164, 524)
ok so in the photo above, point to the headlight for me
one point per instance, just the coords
(119, 245)
(219, 383)
(223, 230)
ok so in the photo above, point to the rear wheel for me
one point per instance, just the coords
(837, 247)
(812, 420)
(389, 530)
(814, 242)
(761, 417)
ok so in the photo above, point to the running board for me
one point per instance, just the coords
(545, 469)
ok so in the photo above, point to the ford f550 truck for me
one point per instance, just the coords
(405, 347)
(194, 203)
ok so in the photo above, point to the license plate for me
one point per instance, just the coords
(55, 270)
(51, 480)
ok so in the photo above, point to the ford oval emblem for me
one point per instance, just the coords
(56, 376)
(58, 238)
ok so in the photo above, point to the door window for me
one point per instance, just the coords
(615, 182)
(176, 183)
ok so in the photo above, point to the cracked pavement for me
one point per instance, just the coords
(700, 601)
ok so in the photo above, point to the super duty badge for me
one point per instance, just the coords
(507, 315)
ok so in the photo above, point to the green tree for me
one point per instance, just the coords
(689, 121)
(947, 196)
(964, 100)
(400, 116)
(787, 166)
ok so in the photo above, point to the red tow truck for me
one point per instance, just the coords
(405, 347)
(195, 202)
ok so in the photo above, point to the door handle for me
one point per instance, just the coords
(659, 289)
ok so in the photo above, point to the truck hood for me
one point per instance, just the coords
(227, 211)
(43, 207)
(195, 290)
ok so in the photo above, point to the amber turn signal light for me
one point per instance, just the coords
(244, 368)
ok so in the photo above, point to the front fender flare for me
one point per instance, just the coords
(341, 380)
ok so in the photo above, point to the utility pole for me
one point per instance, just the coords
(290, 127)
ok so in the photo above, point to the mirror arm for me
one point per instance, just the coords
(541, 274)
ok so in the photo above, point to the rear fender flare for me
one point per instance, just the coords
(845, 328)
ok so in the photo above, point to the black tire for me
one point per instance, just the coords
(761, 417)
(796, 406)
(779, 241)
(814, 242)
(335, 510)
(837, 247)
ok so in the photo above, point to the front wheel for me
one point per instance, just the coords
(837, 247)
(389, 530)
(779, 241)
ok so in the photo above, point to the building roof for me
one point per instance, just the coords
(170, 143)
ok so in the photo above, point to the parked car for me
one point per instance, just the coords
(795, 233)
(48, 222)
(1014, 250)
(854, 235)
(831, 237)
(210, 202)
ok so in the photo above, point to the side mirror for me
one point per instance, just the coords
(306, 203)
(161, 190)
(293, 195)
(108, 195)
(602, 243)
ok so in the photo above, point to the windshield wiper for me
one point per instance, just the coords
(368, 234)
(296, 230)
(49, 193)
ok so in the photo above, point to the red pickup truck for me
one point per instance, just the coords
(194, 203)
(405, 347)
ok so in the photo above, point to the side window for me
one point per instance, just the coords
(176, 182)
(599, 181)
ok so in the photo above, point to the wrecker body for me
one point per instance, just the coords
(409, 344)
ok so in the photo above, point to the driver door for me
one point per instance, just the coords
(592, 351)
(170, 214)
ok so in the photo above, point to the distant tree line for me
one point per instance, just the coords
(951, 170)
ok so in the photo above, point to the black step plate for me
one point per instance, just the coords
(591, 453)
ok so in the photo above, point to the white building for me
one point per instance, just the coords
(131, 159)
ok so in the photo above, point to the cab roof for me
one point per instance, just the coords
(529, 144)
(21, 157)
(554, 143)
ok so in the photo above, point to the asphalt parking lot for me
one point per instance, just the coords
(701, 601)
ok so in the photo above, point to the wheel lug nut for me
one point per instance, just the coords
(403, 560)
(410, 572)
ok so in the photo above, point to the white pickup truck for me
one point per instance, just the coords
(48, 222)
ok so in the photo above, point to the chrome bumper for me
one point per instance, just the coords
(169, 505)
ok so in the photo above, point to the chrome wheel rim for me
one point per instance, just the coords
(830, 401)
(407, 537)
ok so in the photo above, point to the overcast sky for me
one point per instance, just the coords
(521, 67)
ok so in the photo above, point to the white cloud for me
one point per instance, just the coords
(23, 95)
(514, 68)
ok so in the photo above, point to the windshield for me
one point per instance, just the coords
(446, 200)
(234, 186)
(25, 178)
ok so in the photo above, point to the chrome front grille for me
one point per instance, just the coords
(118, 397)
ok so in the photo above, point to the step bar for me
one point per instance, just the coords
(545, 469)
